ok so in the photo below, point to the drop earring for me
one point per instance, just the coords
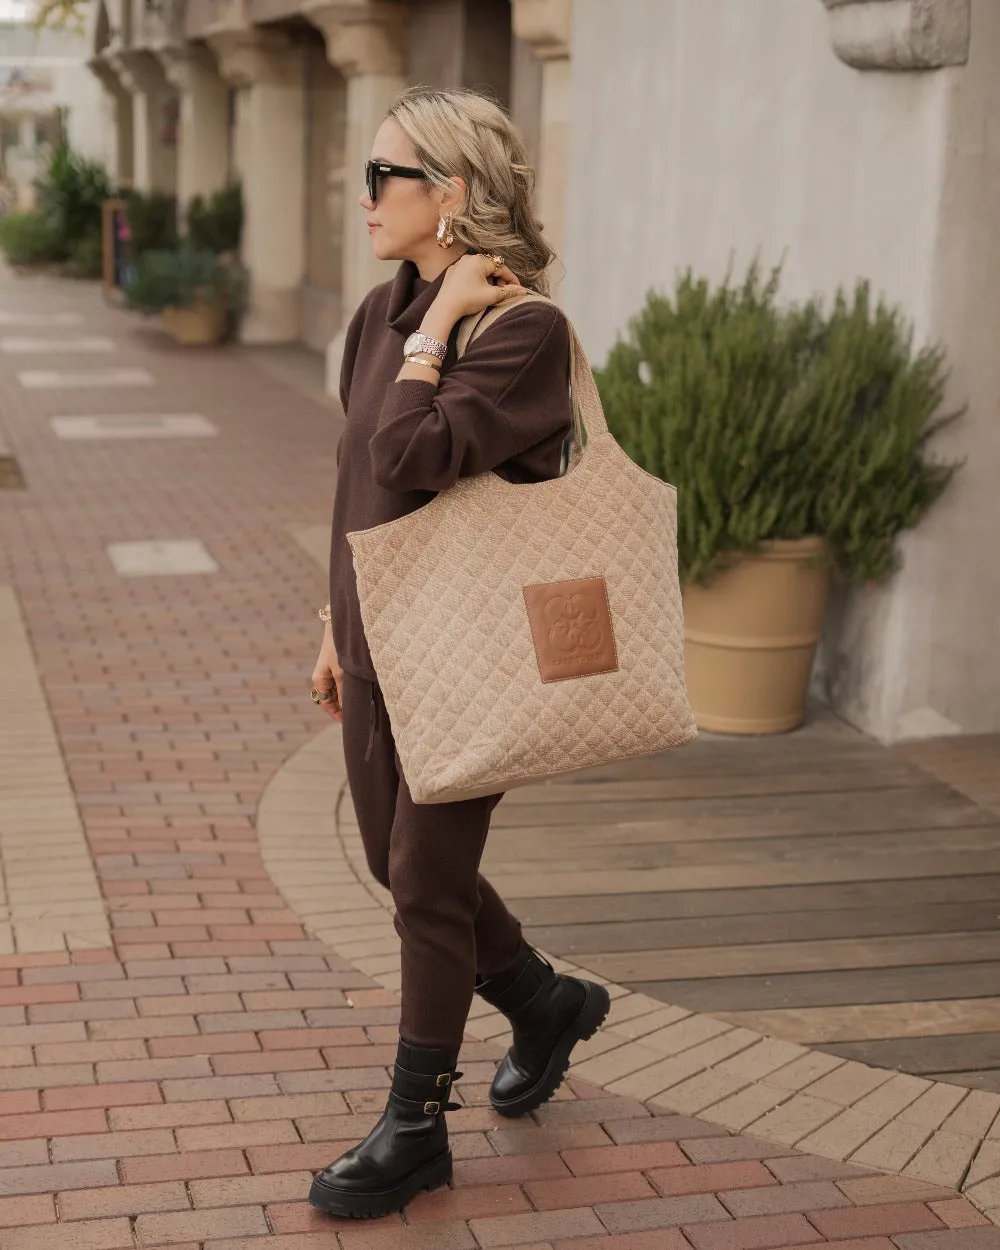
(445, 236)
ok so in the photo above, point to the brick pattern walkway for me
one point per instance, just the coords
(176, 1090)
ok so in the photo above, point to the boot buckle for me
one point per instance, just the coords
(432, 1108)
(443, 1081)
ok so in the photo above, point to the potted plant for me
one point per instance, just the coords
(216, 224)
(798, 441)
(197, 293)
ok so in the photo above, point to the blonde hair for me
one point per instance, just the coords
(466, 135)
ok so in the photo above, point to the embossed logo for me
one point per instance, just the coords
(574, 623)
(571, 628)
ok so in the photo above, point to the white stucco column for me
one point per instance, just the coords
(267, 69)
(27, 138)
(546, 25)
(154, 163)
(367, 43)
(118, 103)
(203, 133)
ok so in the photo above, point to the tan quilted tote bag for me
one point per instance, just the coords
(521, 632)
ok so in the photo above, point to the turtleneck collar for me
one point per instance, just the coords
(410, 298)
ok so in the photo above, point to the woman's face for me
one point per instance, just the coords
(403, 221)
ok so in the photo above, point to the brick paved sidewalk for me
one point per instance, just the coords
(176, 1089)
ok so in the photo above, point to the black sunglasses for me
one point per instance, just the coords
(374, 170)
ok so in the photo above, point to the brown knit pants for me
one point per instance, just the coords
(451, 922)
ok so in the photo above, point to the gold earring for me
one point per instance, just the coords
(445, 237)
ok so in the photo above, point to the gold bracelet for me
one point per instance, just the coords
(325, 614)
(428, 362)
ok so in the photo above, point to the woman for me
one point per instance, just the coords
(449, 195)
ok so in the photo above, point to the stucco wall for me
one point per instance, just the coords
(710, 130)
(60, 58)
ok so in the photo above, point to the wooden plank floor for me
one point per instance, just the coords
(815, 887)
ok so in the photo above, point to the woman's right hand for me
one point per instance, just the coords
(328, 675)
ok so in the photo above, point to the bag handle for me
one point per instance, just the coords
(588, 412)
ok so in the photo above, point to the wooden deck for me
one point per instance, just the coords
(816, 887)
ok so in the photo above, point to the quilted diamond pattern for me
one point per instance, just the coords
(444, 615)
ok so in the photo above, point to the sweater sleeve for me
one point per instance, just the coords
(508, 394)
(351, 341)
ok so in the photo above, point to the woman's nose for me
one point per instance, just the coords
(366, 202)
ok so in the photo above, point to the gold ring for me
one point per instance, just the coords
(498, 261)
(320, 696)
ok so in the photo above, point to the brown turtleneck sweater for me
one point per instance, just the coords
(504, 406)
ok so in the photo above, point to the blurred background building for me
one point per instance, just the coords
(47, 94)
(854, 138)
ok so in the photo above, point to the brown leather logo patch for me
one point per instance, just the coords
(571, 628)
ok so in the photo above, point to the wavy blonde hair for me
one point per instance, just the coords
(465, 134)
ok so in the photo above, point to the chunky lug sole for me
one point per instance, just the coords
(367, 1206)
(585, 1024)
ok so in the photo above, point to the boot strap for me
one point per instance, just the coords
(429, 1107)
(522, 992)
(406, 1083)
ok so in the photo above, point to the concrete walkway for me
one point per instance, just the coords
(177, 1087)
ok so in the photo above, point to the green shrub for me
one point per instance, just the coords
(778, 423)
(152, 219)
(216, 226)
(70, 195)
(28, 239)
(86, 259)
(183, 277)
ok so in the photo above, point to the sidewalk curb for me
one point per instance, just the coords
(671, 1059)
(50, 898)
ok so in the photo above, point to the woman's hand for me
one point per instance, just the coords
(328, 675)
(474, 282)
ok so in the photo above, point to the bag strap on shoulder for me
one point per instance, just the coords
(588, 413)
(473, 326)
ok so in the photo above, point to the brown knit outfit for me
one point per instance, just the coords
(505, 407)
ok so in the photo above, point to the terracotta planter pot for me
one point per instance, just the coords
(750, 639)
(198, 326)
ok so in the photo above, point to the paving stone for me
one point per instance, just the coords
(90, 429)
(759, 1233)
(871, 1190)
(892, 1147)
(24, 345)
(951, 1239)
(162, 557)
(792, 1196)
(883, 1220)
(622, 1217)
(73, 379)
(842, 1136)
(717, 1149)
(513, 1230)
(957, 1213)
(945, 1159)
(661, 1128)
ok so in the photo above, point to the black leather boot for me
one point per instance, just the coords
(549, 1014)
(406, 1152)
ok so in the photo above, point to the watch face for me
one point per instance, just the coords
(412, 344)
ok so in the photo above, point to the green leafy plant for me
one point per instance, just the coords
(780, 423)
(86, 259)
(70, 195)
(216, 225)
(186, 278)
(152, 220)
(28, 239)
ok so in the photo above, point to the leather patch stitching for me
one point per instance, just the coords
(571, 628)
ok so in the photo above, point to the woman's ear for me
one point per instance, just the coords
(453, 199)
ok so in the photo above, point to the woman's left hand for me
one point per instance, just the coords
(474, 282)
